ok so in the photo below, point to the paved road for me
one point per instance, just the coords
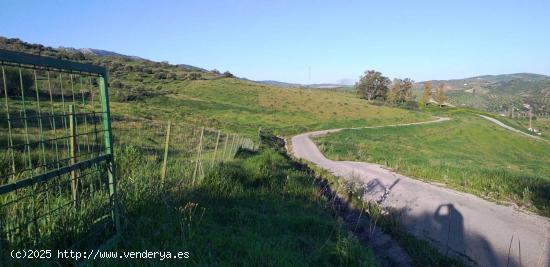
(499, 123)
(458, 223)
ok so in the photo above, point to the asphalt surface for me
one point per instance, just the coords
(460, 224)
(499, 123)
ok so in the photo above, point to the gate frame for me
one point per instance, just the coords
(24, 60)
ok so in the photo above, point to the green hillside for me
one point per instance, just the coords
(143, 89)
(259, 203)
(499, 93)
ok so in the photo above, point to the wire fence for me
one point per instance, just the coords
(182, 151)
(57, 172)
(57, 188)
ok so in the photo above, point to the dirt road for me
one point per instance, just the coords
(458, 223)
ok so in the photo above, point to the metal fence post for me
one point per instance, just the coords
(166, 146)
(73, 147)
(108, 136)
(238, 145)
(199, 152)
(215, 150)
(259, 137)
(225, 146)
(233, 141)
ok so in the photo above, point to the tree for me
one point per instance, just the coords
(440, 96)
(372, 85)
(393, 92)
(427, 94)
(228, 74)
(406, 90)
(400, 91)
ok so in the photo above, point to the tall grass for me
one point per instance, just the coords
(255, 210)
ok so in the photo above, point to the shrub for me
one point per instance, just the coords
(194, 76)
(160, 75)
(13, 82)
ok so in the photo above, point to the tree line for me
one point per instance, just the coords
(372, 85)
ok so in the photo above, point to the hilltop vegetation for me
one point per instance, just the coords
(143, 89)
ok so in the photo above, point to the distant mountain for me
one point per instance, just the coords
(280, 84)
(298, 85)
(498, 93)
(192, 68)
(526, 84)
(98, 52)
(328, 85)
(105, 53)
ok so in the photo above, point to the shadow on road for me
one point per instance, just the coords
(377, 191)
(445, 229)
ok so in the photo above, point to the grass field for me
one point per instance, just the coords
(237, 105)
(255, 210)
(467, 153)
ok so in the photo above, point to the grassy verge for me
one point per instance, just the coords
(467, 153)
(254, 211)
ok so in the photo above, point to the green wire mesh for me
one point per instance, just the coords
(56, 184)
(51, 122)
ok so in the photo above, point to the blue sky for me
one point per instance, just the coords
(280, 40)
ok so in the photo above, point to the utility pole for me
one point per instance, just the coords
(530, 116)
(309, 74)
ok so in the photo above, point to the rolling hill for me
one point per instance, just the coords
(500, 93)
(144, 89)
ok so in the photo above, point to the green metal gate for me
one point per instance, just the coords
(57, 172)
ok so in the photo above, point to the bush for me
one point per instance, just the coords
(410, 105)
(160, 75)
(137, 93)
(116, 84)
(228, 74)
(194, 76)
(13, 82)
(183, 76)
